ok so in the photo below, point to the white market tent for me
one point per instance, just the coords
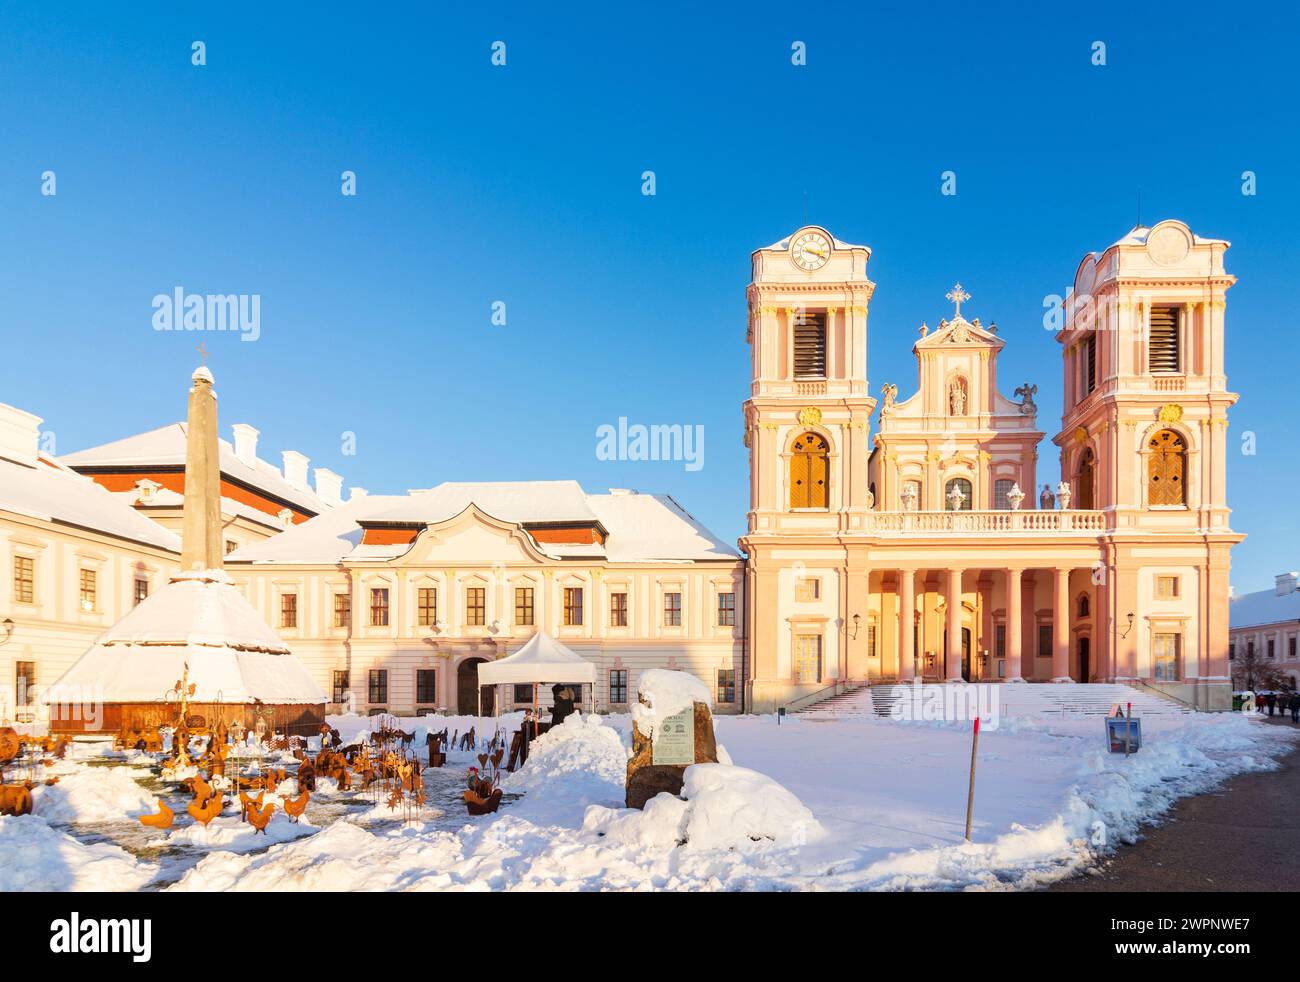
(541, 660)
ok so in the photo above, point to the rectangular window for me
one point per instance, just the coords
(672, 610)
(427, 606)
(88, 589)
(340, 686)
(1002, 494)
(726, 685)
(1164, 657)
(288, 610)
(1290, 648)
(1163, 354)
(426, 685)
(618, 610)
(573, 606)
(1090, 364)
(25, 683)
(1232, 652)
(1250, 649)
(871, 640)
(524, 606)
(24, 580)
(808, 658)
(1000, 645)
(618, 685)
(378, 685)
(523, 693)
(378, 607)
(141, 590)
(810, 344)
(808, 588)
(476, 606)
(342, 609)
(1167, 587)
(1271, 652)
(726, 610)
(1044, 640)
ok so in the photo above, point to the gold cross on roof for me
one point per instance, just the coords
(957, 295)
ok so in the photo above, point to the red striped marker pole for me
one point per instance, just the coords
(970, 795)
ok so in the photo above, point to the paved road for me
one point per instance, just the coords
(1240, 837)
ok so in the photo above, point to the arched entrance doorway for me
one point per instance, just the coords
(467, 689)
(965, 651)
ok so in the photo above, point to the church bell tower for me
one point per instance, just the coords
(806, 419)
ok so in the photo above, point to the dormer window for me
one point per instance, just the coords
(1163, 349)
(810, 344)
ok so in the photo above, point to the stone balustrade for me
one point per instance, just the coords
(999, 522)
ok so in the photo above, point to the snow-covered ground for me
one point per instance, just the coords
(859, 803)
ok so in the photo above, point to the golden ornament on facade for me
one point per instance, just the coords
(1170, 412)
(1080, 435)
(810, 416)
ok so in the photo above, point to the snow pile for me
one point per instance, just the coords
(665, 694)
(36, 857)
(94, 794)
(725, 808)
(233, 834)
(578, 763)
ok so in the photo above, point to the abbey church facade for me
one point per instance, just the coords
(896, 536)
(925, 551)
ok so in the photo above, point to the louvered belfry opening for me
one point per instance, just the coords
(1162, 347)
(1091, 380)
(810, 344)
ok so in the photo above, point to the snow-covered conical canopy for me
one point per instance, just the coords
(199, 619)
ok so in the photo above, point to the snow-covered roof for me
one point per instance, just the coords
(54, 493)
(1137, 236)
(654, 527)
(200, 620)
(167, 498)
(327, 538)
(642, 528)
(165, 446)
(542, 659)
(522, 502)
(782, 244)
(1263, 607)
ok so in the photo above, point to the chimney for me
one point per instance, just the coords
(201, 517)
(1285, 583)
(358, 493)
(295, 469)
(285, 515)
(329, 486)
(20, 434)
(245, 443)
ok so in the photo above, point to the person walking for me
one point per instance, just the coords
(1271, 700)
(1294, 706)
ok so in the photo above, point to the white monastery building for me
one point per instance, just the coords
(888, 538)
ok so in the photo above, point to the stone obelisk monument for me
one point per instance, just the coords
(201, 523)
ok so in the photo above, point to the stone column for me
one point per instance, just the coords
(906, 626)
(1061, 628)
(1014, 625)
(952, 654)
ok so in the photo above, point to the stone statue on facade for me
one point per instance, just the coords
(957, 398)
(1063, 494)
(1046, 500)
(1027, 393)
(1015, 496)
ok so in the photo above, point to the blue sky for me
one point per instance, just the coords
(522, 184)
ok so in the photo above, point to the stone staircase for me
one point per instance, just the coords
(1028, 699)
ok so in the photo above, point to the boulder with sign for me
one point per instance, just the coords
(672, 728)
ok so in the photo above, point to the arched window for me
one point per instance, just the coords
(809, 472)
(1084, 606)
(962, 485)
(1084, 481)
(1166, 469)
(1001, 489)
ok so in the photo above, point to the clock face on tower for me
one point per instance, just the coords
(811, 250)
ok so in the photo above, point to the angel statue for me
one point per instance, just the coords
(890, 392)
(1027, 393)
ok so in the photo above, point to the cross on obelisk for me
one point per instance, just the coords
(203, 354)
(957, 295)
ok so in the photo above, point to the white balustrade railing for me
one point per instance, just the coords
(996, 522)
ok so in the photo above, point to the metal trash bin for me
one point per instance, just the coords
(1122, 729)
